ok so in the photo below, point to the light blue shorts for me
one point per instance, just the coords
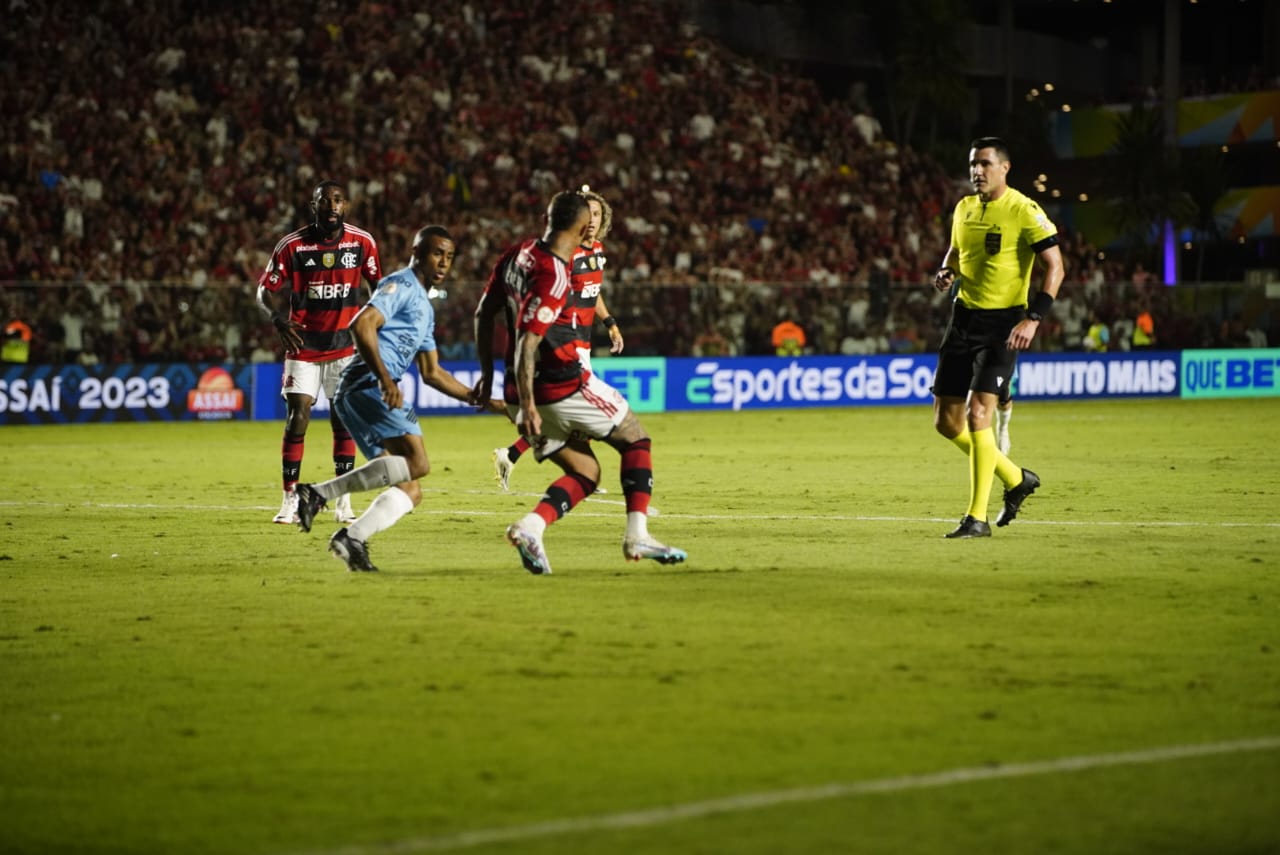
(371, 421)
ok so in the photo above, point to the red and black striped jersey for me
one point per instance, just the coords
(323, 278)
(535, 286)
(588, 275)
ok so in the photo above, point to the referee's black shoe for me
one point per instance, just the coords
(1014, 497)
(971, 527)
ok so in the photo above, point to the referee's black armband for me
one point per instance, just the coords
(1041, 304)
(609, 322)
(1041, 245)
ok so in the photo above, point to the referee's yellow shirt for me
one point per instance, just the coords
(998, 242)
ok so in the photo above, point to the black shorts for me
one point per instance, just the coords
(975, 354)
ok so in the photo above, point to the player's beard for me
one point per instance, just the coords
(328, 229)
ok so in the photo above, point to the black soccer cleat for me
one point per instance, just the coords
(970, 527)
(1015, 496)
(310, 503)
(354, 552)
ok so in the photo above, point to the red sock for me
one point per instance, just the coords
(344, 448)
(291, 458)
(517, 448)
(637, 475)
(563, 495)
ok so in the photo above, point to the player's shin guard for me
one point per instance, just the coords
(637, 475)
(563, 495)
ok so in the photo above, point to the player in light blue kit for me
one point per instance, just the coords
(395, 329)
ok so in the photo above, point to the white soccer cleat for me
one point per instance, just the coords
(532, 555)
(288, 514)
(342, 512)
(502, 467)
(637, 548)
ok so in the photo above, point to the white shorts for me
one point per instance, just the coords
(584, 356)
(309, 378)
(592, 412)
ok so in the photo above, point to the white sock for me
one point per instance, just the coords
(389, 506)
(379, 472)
(533, 523)
(637, 525)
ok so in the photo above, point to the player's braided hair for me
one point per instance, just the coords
(606, 213)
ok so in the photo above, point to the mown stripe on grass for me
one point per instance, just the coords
(764, 800)
(583, 511)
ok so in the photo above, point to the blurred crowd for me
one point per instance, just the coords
(147, 173)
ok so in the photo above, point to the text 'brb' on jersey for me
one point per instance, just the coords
(323, 278)
(536, 287)
(998, 242)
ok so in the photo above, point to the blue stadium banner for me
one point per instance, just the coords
(269, 405)
(756, 382)
(642, 380)
(1230, 373)
(64, 394)
(54, 394)
(1147, 374)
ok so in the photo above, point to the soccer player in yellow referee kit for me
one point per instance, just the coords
(996, 236)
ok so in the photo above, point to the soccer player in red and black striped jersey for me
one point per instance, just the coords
(311, 291)
(584, 303)
(554, 402)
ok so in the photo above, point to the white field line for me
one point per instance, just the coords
(583, 511)
(770, 799)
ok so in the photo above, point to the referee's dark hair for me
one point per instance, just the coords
(1001, 147)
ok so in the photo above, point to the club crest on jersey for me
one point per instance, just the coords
(350, 259)
(328, 259)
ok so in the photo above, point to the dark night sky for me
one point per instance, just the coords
(1219, 37)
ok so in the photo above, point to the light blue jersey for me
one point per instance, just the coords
(409, 322)
(409, 326)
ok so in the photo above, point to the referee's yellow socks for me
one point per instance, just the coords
(1006, 470)
(982, 471)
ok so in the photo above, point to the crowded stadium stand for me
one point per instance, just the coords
(146, 174)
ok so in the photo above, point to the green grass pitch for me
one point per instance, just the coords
(826, 674)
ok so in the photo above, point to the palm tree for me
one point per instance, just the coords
(1148, 189)
(1205, 178)
(923, 64)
